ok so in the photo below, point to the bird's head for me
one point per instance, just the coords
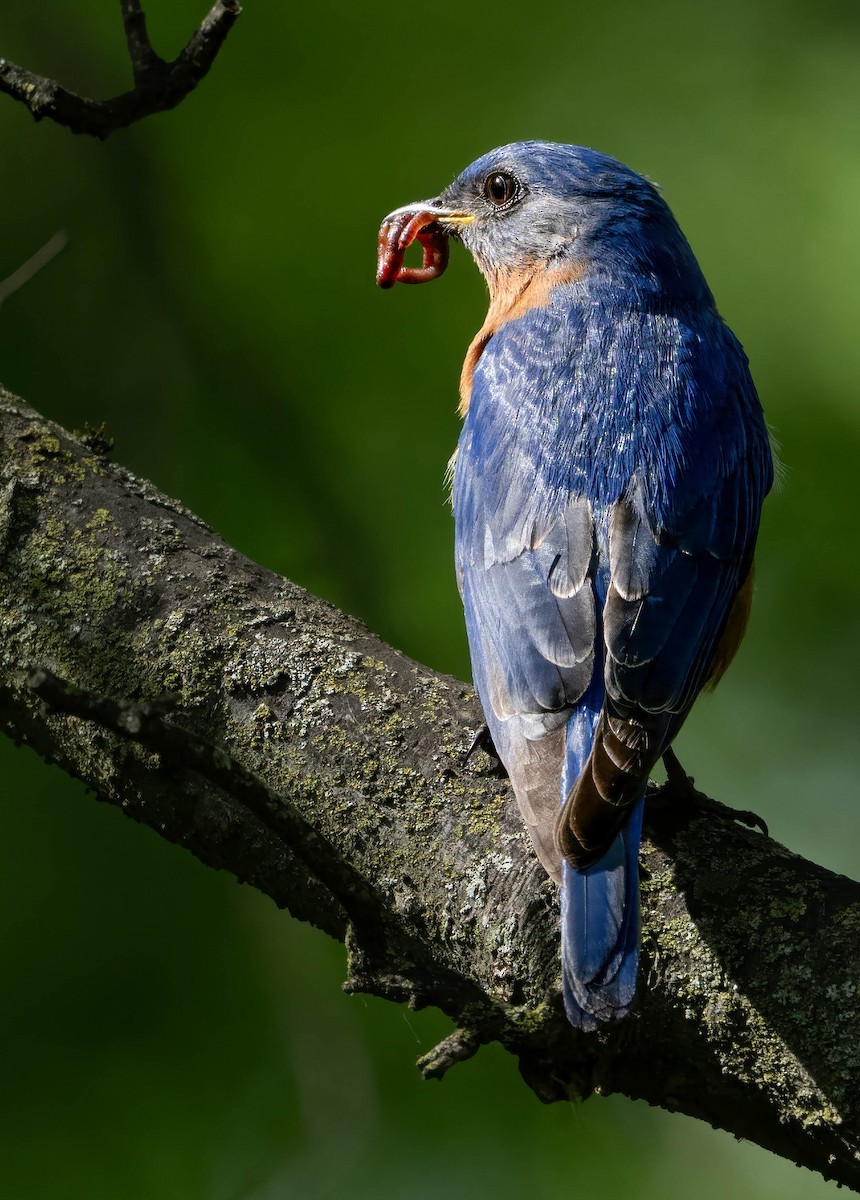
(534, 206)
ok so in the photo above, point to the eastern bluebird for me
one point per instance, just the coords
(607, 490)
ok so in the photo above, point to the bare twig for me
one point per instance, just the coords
(159, 85)
(143, 57)
(459, 1046)
(33, 265)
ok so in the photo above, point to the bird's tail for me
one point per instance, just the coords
(599, 902)
(600, 930)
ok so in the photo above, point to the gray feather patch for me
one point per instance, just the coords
(575, 541)
(632, 552)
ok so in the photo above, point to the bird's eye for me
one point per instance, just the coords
(500, 188)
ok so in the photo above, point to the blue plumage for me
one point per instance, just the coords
(607, 492)
(600, 931)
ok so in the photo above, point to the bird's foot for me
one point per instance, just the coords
(483, 740)
(679, 790)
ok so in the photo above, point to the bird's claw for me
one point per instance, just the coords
(483, 740)
(679, 790)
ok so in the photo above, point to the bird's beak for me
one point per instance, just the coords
(428, 221)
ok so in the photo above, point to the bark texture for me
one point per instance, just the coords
(310, 759)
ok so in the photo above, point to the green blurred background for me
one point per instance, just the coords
(165, 1032)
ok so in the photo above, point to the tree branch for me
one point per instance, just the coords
(325, 768)
(159, 85)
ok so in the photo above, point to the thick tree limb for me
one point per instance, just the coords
(342, 793)
(158, 85)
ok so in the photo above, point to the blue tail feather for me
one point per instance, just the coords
(600, 931)
(600, 905)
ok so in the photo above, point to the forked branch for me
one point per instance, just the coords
(158, 85)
